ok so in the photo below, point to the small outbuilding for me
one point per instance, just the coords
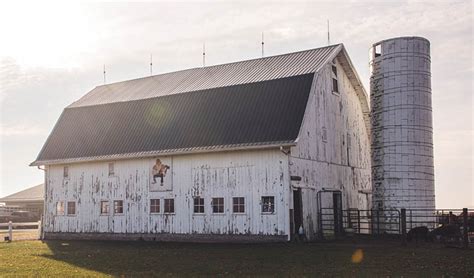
(239, 151)
(30, 199)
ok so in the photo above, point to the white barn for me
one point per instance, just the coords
(236, 151)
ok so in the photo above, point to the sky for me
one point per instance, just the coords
(52, 53)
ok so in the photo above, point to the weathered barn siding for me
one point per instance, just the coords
(249, 174)
(402, 145)
(340, 162)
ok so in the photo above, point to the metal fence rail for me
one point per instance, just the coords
(433, 218)
(377, 222)
(361, 221)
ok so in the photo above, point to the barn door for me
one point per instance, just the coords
(330, 214)
(337, 212)
(298, 210)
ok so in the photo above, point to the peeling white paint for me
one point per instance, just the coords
(402, 129)
(250, 174)
(333, 163)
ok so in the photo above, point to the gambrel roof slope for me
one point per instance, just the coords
(250, 104)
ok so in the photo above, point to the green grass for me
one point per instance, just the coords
(20, 234)
(138, 259)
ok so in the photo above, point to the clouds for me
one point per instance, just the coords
(44, 35)
(22, 130)
(51, 61)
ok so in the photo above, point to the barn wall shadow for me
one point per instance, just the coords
(145, 258)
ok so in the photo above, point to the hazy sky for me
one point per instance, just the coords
(52, 54)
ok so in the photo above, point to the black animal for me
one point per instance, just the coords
(446, 233)
(418, 233)
(470, 221)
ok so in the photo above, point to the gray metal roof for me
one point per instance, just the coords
(259, 113)
(257, 103)
(268, 68)
(35, 193)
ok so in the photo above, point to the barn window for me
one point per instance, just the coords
(169, 205)
(217, 205)
(334, 70)
(104, 207)
(111, 169)
(238, 204)
(155, 205)
(198, 205)
(71, 208)
(335, 88)
(60, 208)
(268, 204)
(378, 50)
(66, 172)
(118, 206)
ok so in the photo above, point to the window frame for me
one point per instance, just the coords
(334, 80)
(66, 172)
(238, 205)
(201, 205)
(377, 50)
(155, 206)
(263, 204)
(111, 167)
(213, 205)
(324, 134)
(102, 212)
(62, 208)
(68, 208)
(166, 209)
(335, 87)
(116, 206)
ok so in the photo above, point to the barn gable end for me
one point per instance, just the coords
(332, 154)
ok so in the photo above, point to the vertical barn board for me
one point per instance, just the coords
(402, 131)
(342, 160)
(248, 174)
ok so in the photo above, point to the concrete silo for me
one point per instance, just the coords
(402, 130)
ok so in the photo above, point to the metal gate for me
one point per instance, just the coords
(330, 213)
(335, 222)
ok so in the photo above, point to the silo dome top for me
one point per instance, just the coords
(401, 38)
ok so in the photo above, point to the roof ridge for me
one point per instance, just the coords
(221, 75)
(224, 64)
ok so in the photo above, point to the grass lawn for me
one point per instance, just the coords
(20, 234)
(94, 258)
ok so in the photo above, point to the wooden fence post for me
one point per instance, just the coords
(39, 229)
(10, 231)
(465, 229)
(403, 221)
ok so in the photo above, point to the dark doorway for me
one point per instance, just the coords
(298, 210)
(337, 211)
